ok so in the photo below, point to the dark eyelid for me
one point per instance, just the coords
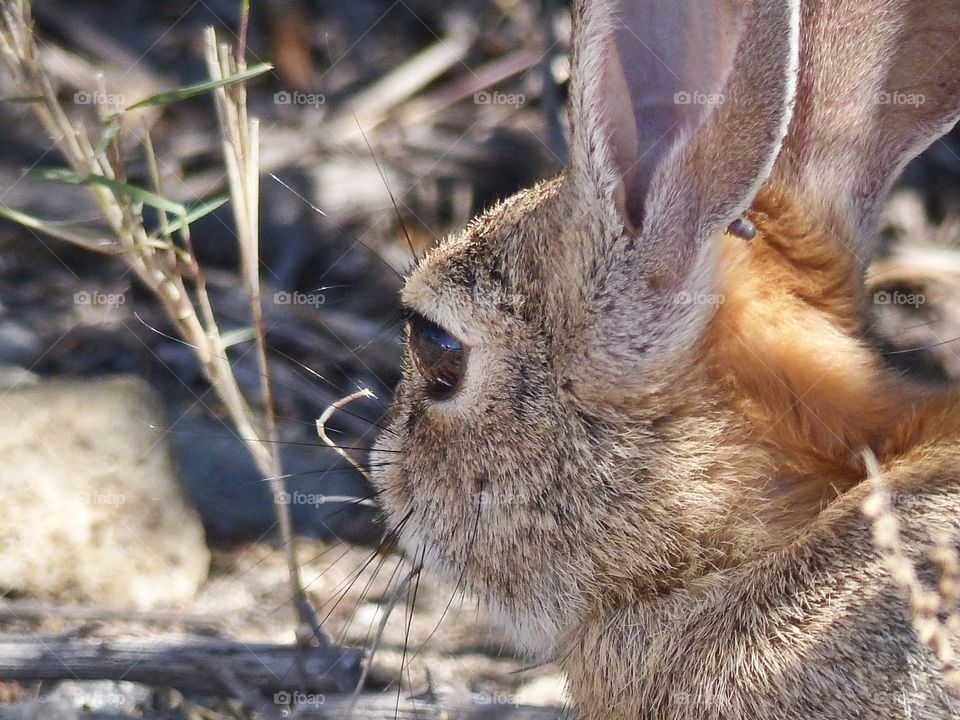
(437, 354)
(409, 315)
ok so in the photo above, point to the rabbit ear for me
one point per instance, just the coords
(678, 109)
(879, 81)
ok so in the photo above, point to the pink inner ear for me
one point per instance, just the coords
(663, 74)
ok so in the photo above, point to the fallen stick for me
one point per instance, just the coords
(37, 610)
(371, 107)
(189, 665)
(379, 706)
(384, 706)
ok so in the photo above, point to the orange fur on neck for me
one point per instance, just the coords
(786, 353)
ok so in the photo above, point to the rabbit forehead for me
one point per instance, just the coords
(492, 271)
(545, 260)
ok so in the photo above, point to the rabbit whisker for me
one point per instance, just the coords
(355, 575)
(393, 200)
(394, 597)
(410, 606)
(361, 596)
(462, 577)
(353, 239)
(922, 347)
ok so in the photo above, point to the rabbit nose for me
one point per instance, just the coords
(742, 228)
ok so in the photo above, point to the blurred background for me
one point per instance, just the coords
(446, 98)
(385, 125)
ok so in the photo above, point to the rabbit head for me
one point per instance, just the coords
(609, 389)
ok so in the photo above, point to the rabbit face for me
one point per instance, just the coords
(491, 471)
(518, 481)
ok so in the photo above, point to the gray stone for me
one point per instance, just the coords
(235, 502)
(90, 509)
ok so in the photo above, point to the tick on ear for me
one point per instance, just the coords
(742, 228)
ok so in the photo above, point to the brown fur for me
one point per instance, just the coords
(664, 494)
(787, 355)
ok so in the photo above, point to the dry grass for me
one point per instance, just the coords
(933, 611)
(164, 260)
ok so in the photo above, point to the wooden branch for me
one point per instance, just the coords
(262, 676)
(383, 706)
(189, 665)
(370, 107)
(38, 610)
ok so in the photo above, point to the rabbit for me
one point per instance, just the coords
(635, 396)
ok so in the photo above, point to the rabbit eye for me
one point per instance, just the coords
(439, 357)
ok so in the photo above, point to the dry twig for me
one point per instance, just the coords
(161, 262)
(934, 612)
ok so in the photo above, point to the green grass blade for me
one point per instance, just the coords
(196, 212)
(237, 336)
(138, 195)
(69, 234)
(188, 91)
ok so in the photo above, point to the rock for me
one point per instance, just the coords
(106, 696)
(549, 689)
(90, 510)
(13, 377)
(235, 502)
(19, 345)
